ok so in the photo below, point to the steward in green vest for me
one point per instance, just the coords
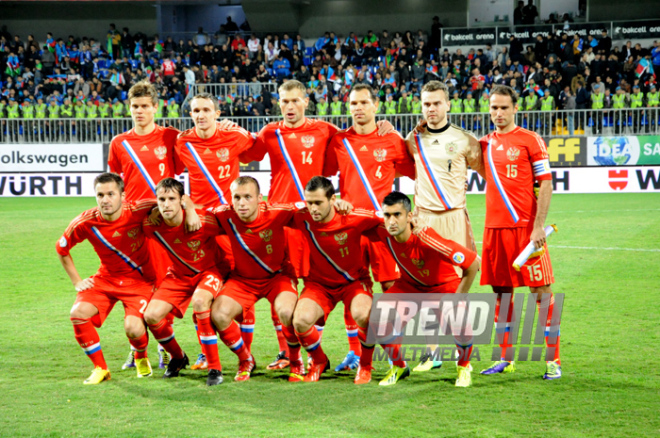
(104, 110)
(53, 110)
(403, 106)
(91, 110)
(79, 110)
(172, 109)
(652, 98)
(531, 100)
(322, 107)
(619, 99)
(390, 105)
(597, 98)
(484, 102)
(416, 105)
(456, 104)
(118, 110)
(336, 106)
(3, 107)
(127, 108)
(40, 109)
(28, 110)
(12, 110)
(66, 111)
(469, 104)
(547, 102)
(637, 98)
(159, 109)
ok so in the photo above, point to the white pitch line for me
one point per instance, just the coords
(601, 249)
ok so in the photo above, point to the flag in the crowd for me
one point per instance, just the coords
(644, 66)
(158, 47)
(388, 60)
(50, 42)
(332, 76)
(109, 46)
(313, 83)
(349, 77)
(138, 49)
(433, 69)
(580, 44)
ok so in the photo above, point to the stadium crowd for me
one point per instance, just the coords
(79, 77)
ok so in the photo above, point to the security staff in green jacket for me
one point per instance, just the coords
(40, 109)
(636, 103)
(403, 106)
(618, 105)
(66, 110)
(484, 102)
(336, 107)
(117, 109)
(597, 104)
(28, 110)
(13, 109)
(416, 104)
(390, 105)
(104, 109)
(652, 102)
(172, 109)
(79, 110)
(91, 110)
(53, 110)
(159, 109)
(322, 107)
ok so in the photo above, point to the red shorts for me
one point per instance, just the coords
(383, 265)
(247, 291)
(178, 289)
(500, 248)
(403, 287)
(328, 298)
(298, 251)
(133, 294)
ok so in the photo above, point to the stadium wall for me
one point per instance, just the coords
(89, 19)
(607, 10)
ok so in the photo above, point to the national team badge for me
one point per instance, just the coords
(161, 152)
(458, 258)
(513, 153)
(223, 154)
(63, 242)
(418, 262)
(266, 235)
(451, 148)
(380, 154)
(133, 233)
(194, 244)
(308, 141)
(341, 238)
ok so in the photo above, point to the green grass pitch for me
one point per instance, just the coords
(606, 260)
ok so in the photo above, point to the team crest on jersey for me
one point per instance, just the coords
(403, 255)
(194, 244)
(513, 153)
(458, 258)
(308, 141)
(266, 235)
(223, 154)
(380, 154)
(63, 242)
(161, 152)
(451, 148)
(341, 238)
(418, 262)
(133, 232)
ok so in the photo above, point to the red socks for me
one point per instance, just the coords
(367, 349)
(207, 339)
(247, 327)
(551, 331)
(88, 338)
(352, 332)
(164, 334)
(311, 341)
(503, 329)
(231, 336)
(140, 345)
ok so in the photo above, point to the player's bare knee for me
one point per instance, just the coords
(134, 328)
(221, 318)
(361, 316)
(302, 322)
(152, 316)
(285, 316)
(201, 303)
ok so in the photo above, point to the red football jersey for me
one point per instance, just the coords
(119, 244)
(190, 253)
(513, 161)
(259, 246)
(426, 258)
(212, 163)
(296, 155)
(144, 160)
(367, 165)
(336, 254)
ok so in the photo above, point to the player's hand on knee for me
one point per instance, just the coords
(84, 284)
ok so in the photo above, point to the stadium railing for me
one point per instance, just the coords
(555, 123)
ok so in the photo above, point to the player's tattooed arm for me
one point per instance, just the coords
(343, 207)
(70, 268)
(193, 221)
